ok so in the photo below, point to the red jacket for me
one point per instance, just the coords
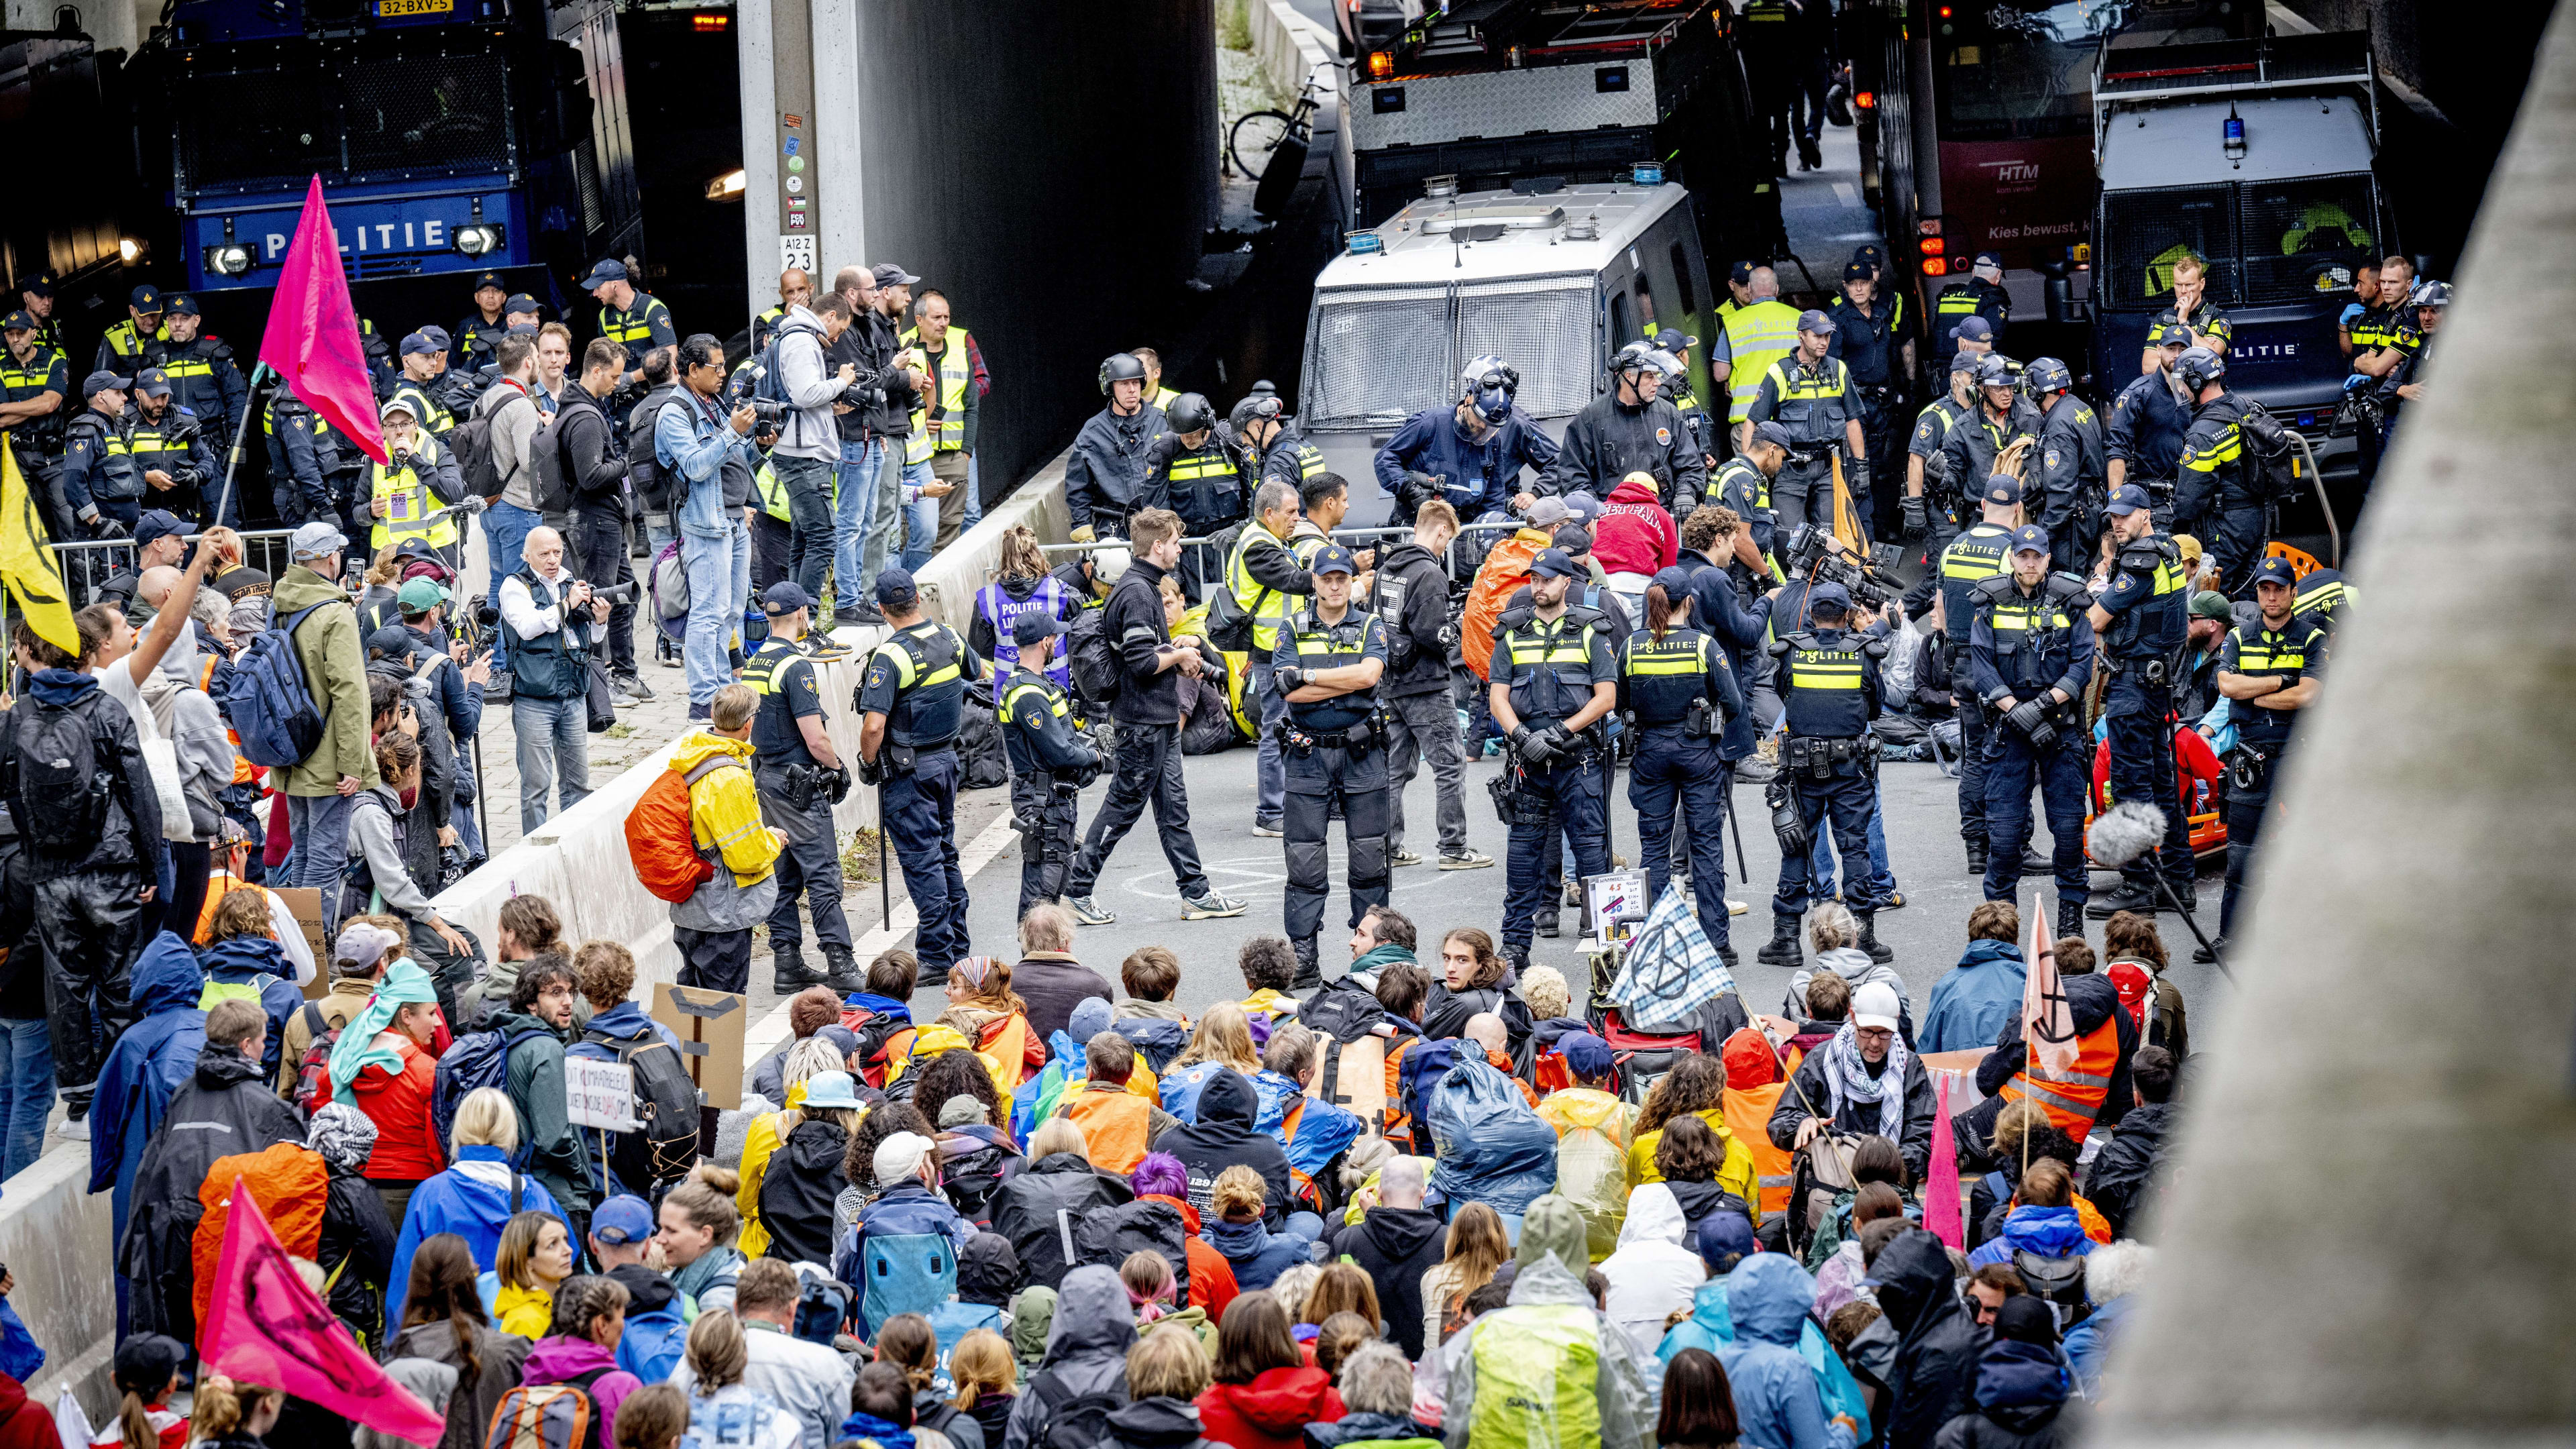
(1272, 1411)
(1212, 1284)
(407, 1147)
(24, 1423)
(1635, 535)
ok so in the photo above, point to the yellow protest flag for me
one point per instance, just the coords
(34, 581)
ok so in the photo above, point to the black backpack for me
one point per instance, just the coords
(666, 1102)
(63, 756)
(1106, 1235)
(1067, 1420)
(2060, 1281)
(1097, 670)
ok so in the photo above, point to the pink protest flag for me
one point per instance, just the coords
(267, 1328)
(312, 339)
(2047, 1021)
(1941, 1182)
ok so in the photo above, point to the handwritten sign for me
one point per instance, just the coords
(600, 1094)
(710, 1026)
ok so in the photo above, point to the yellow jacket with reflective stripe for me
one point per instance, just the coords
(433, 419)
(1268, 608)
(955, 375)
(724, 807)
(1756, 337)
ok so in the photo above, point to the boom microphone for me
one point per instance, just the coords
(2124, 832)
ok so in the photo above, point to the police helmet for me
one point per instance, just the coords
(1120, 367)
(1637, 357)
(1189, 412)
(1993, 371)
(2198, 367)
(2046, 375)
(1489, 384)
(2432, 294)
(1258, 408)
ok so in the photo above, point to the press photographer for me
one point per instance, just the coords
(554, 621)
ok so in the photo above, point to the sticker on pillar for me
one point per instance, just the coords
(791, 120)
(794, 161)
(792, 143)
(795, 184)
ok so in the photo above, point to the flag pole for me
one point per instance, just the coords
(241, 437)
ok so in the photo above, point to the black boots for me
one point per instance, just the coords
(2133, 895)
(2070, 918)
(1976, 857)
(845, 975)
(1546, 924)
(1783, 947)
(788, 972)
(1309, 977)
(1869, 938)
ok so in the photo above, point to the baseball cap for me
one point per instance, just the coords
(621, 1220)
(491, 280)
(1674, 579)
(895, 586)
(2003, 490)
(1034, 625)
(1674, 339)
(1091, 1018)
(155, 525)
(1725, 1234)
(784, 597)
(1812, 320)
(393, 642)
(1332, 558)
(832, 1089)
(101, 380)
(1857, 270)
(2174, 335)
(1586, 507)
(154, 381)
(363, 944)
(1555, 563)
(317, 540)
(2211, 604)
(18, 321)
(2276, 570)
(610, 269)
(2126, 499)
(1873, 1005)
(519, 302)
(182, 307)
(145, 1362)
(418, 344)
(438, 338)
(900, 1155)
(1773, 435)
(1585, 1055)
(1869, 254)
(1989, 259)
(1829, 595)
(146, 298)
(1741, 274)
(419, 548)
(1548, 512)
(398, 404)
(1574, 538)
(419, 596)
(1974, 329)
(890, 275)
(42, 284)
(2030, 538)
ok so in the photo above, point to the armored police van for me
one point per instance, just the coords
(1552, 278)
(2258, 157)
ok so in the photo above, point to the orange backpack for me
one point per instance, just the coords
(1506, 569)
(660, 838)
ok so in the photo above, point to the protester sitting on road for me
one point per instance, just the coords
(717, 1358)
(698, 1227)
(385, 1064)
(994, 1019)
(1475, 1249)
(534, 1259)
(806, 1174)
(478, 1196)
(1048, 977)
(1866, 1081)
(1972, 1001)
(529, 928)
(807, 1380)
(587, 1315)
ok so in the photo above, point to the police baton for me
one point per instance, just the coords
(885, 882)
(1727, 808)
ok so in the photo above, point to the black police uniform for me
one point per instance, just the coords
(639, 327)
(1980, 553)
(2321, 597)
(1204, 485)
(1704, 430)
(2147, 423)
(204, 379)
(783, 675)
(2023, 644)
(1944, 497)
(2209, 321)
(917, 679)
(176, 445)
(2376, 328)
(2221, 471)
(1609, 439)
(1049, 765)
(2067, 474)
(121, 350)
(1549, 669)
(1970, 296)
(2146, 600)
(99, 468)
(312, 470)
(1615, 627)
(38, 442)
(1289, 459)
(2291, 653)
(475, 339)
(1682, 696)
(1104, 473)
(1334, 753)
(1740, 486)
(1870, 344)
(1976, 440)
(1813, 403)
(1829, 690)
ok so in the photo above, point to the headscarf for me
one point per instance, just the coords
(1847, 1079)
(345, 1136)
(404, 984)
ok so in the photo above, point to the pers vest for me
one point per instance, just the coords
(1267, 607)
(955, 375)
(554, 665)
(1001, 613)
(411, 510)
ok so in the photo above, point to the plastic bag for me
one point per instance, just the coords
(1491, 1147)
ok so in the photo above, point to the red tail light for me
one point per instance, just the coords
(1866, 100)
(1932, 246)
(1933, 267)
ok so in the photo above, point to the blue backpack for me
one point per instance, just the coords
(654, 1343)
(476, 1059)
(269, 701)
(822, 1306)
(904, 1273)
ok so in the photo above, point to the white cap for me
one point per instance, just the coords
(899, 1157)
(1875, 1005)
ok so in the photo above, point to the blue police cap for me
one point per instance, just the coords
(1555, 563)
(153, 381)
(2002, 490)
(146, 298)
(101, 380)
(1674, 339)
(439, 336)
(1974, 329)
(2174, 335)
(610, 269)
(2030, 538)
(783, 598)
(491, 280)
(18, 321)
(1812, 320)
(1675, 581)
(519, 302)
(1774, 435)
(1989, 259)
(2276, 570)
(419, 344)
(182, 307)
(1742, 275)
(1870, 253)
(1857, 270)
(1332, 558)
(1829, 595)
(2126, 499)
(895, 587)
(41, 284)
(1035, 624)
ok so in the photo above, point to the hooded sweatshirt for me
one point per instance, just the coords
(1086, 1349)
(1634, 534)
(1776, 1398)
(259, 962)
(1853, 965)
(1156, 1423)
(655, 1335)
(1224, 1135)
(1549, 1265)
(150, 1062)
(1395, 1247)
(546, 1134)
(1933, 1372)
(1652, 1276)
(1974, 1000)
(1272, 1411)
(1412, 595)
(2021, 1398)
(24, 1423)
(797, 1191)
(566, 1359)
(1258, 1255)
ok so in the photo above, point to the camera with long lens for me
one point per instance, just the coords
(616, 594)
(764, 410)
(487, 615)
(1872, 580)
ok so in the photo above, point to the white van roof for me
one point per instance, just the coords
(2286, 138)
(1493, 235)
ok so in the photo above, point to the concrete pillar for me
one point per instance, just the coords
(2366, 1230)
(801, 124)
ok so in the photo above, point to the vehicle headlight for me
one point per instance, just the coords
(231, 259)
(478, 238)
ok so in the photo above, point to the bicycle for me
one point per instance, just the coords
(1257, 135)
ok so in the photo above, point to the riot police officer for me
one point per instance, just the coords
(1333, 746)
(800, 776)
(1191, 470)
(2143, 444)
(2000, 418)
(1828, 767)
(200, 368)
(422, 384)
(1933, 499)
(102, 484)
(1675, 684)
(1979, 553)
(1050, 762)
(2067, 481)
(2030, 656)
(1105, 470)
(2223, 461)
(35, 382)
(1553, 680)
(1676, 344)
(1269, 443)
(2268, 669)
(1469, 455)
(169, 445)
(1633, 429)
(912, 696)
(2140, 621)
(312, 470)
(1811, 394)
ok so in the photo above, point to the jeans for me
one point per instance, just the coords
(1423, 729)
(658, 530)
(320, 825)
(853, 509)
(719, 568)
(920, 517)
(506, 527)
(26, 1091)
(884, 538)
(808, 483)
(554, 743)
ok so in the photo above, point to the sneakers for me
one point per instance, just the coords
(1465, 860)
(629, 688)
(1402, 856)
(824, 647)
(1267, 832)
(1089, 912)
(1210, 906)
(2132, 895)
(2207, 954)
(861, 612)
(76, 1130)
(701, 713)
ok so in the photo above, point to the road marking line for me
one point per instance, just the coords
(1844, 193)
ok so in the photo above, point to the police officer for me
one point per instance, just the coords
(2224, 460)
(634, 320)
(1742, 484)
(1979, 294)
(200, 368)
(1632, 430)
(1269, 443)
(2192, 311)
(912, 695)
(121, 350)
(1684, 395)
(2268, 669)
(1869, 339)
(2411, 345)
(2030, 656)
(408, 493)
(478, 331)
(1979, 552)
(2140, 622)
(1932, 497)
(800, 776)
(2143, 443)
(1050, 762)
(1553, 680)
(1829, 767)
(1265, 574)
(1333, 745)
(1811, 394)
(1105, 470)
(312, 470)
(1190, 469)
(1676, 686)
(420, 386)
(169, 445)
(102, 483)
(36, 299)
(34, 384)
(2000, 418)
(2067, 480)
(1469, 456)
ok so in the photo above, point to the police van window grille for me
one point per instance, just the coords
(429, 110)
(281, 122)
(2304, 238)
(2145, 231)
(1380, 355)
(585, 165)
(425, 112)
(1549, 328)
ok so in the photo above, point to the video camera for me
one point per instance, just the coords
(1872, 580)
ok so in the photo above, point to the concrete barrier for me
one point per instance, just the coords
(1290, 47)
(55, 1237)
